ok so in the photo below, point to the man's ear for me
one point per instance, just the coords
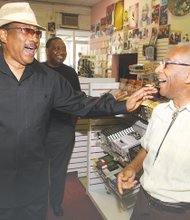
(187, 78)
(3, 35)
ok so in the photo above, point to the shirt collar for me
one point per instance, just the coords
(29, 70)
(173, 108)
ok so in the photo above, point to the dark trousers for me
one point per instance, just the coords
(145, 211)
(36, 210)
(58, 165)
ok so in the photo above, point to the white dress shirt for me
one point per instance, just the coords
(168, 177)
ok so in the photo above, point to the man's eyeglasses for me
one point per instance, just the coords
(27, 31)
(164, 63)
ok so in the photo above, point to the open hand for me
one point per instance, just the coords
(134, 101)
(126, 179)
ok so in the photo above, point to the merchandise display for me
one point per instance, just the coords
(146, 108)
(108, 170)
(144, 72)
(86, 66)
(121, 144)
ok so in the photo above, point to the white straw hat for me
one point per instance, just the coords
(18, 12)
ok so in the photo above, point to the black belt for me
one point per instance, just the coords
(167, 206)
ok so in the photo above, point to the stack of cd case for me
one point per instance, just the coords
(121, 140)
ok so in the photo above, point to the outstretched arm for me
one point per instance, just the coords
(78, 103)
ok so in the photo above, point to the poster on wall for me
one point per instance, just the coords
(155, 2)
(133, 45)
(145, 13)
(103, 24)
(174, 37)
(125, 36)
(164, 2)
(154, 36)
(125, 17)
(117, 42)
(51, 27)
(118, 18)
(163, 31)
(99, 32)
(109, 30)
(130, 34)
(144, 33)
(163, 15)
(186, 38)
(136, 33)
(133, 16)
(110, 14)
(155, 14)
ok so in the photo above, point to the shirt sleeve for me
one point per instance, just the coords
(78, 103)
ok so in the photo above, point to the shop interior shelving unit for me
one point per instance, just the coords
(109, 205)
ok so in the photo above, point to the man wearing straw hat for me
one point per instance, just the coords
(28, 92)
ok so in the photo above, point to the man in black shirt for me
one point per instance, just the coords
(61, 129)
(28, 92)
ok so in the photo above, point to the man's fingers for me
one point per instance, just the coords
(120, 189)
(126, 185)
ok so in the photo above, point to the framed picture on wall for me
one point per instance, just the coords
(163, 15)
(118, 18)
(133, 16)
(163, 31)
(110, 14)
(103, 24)
(155, 14)
(51, 27)
(154, 36)
(174, 37)
(145, 13)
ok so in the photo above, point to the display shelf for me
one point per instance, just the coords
(108, 202)
(108, 205)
